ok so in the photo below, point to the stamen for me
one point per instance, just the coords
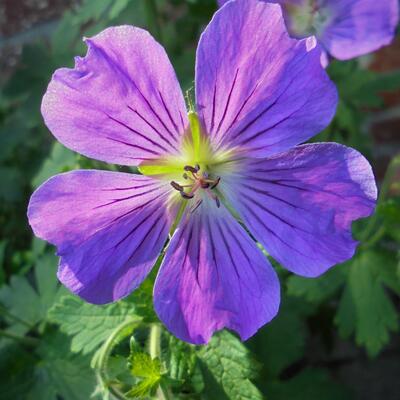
(191, 169)
(216, 182)
(177, 186)
(204, 184)
(187, 195)
(200, 181)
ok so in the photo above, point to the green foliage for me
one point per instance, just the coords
(366, 307)
(89, 325)
(317, 290)
(145, 368)
(61, 373)
(25, 306)
(229, 368)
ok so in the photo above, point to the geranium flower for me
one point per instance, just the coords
(345, 28)
(259, 94)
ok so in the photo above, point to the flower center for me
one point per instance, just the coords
(196, 181)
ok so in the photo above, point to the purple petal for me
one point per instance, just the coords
(359, 27)
(212, 277)
(256, 88)
(121, 103)
(109, 229)
(300, 204)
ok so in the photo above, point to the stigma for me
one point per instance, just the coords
(196, 181)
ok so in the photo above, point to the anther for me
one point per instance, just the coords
(177, 186)
(189, 168)
(215, 183)
(217, 201)
(187, 195)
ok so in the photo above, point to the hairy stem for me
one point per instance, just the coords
(155, 352)
(121, 332)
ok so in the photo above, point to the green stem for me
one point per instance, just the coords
(153, 22)
(155, 352)
(23, 339)
(14, 317)
(121, 332)
(155, 341)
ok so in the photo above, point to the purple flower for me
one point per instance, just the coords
(345, 28)
(259, 94)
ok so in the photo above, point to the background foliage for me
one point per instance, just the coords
(334, 337)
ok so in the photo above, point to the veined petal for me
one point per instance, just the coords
(214, 276)
(256, 88)
(359, 27)
(109, 229)
(121, 103)
(300, 204)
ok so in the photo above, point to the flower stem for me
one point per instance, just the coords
(23, 339)
(152, 18)
(155, 352)
(122, 331)
(155, 341)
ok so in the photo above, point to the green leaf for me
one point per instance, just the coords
(148, 371)
(27, 304)
(389, 211)
(274, 346)
(61, 373)
(374, 312)
(60, 159)
(317, 290)
(344, 318)
(89, 325)
(228, 369)
(16, 371)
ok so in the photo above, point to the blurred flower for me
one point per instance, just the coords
(259, 94)
(345, 28)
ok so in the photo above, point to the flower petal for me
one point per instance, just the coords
(359, 27)
(300, 204)
(109, 229)
(256, 88)
(212, 277)
(121, 103)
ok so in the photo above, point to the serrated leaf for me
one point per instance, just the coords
(182, 359)
(88, 324)
(375, 313)
(30, 305)
(148, 371)
(231, 366)
(61, 373)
